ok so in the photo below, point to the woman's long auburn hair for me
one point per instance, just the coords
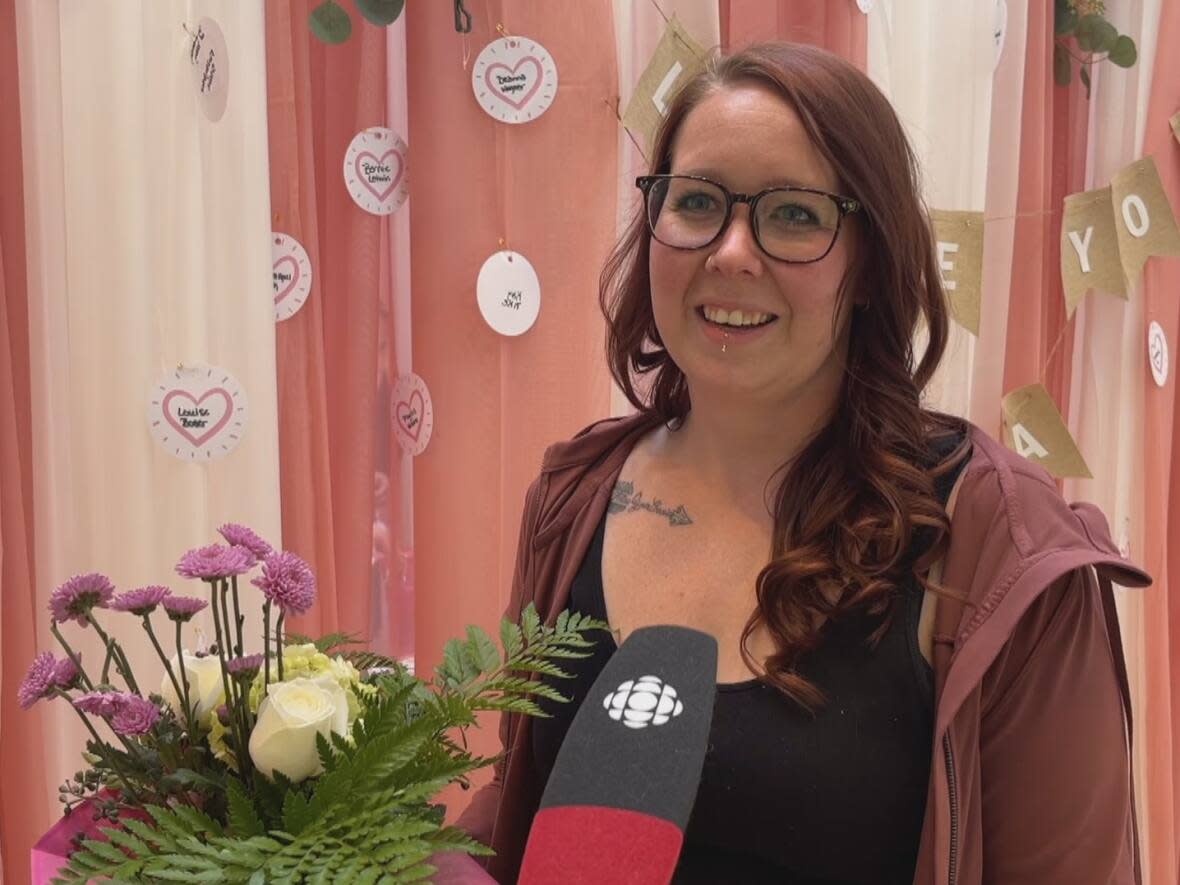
(856, 509)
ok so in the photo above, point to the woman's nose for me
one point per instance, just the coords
(736, 250)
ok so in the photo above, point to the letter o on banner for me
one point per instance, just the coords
(1134, 201)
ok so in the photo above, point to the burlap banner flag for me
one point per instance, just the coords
(1089, 248)
(1034, 429)
(959, 237)
(676, 59)
(1143, 217)
(1175, 124)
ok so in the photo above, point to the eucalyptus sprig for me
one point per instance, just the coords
(1093, 37)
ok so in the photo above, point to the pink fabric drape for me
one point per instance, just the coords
(1161, 282)
(319, 97)
(1052, 165)
(23, 804)
(838, 27)
(545, 188)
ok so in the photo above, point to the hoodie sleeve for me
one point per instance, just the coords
(479, 818)
(1057, 801)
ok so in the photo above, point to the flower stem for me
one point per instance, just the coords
(215, 586)
(279, 642)
(120, 658)
(238, 619)
(72, 655)
(266, 647)
(184, 685)
(147, 625)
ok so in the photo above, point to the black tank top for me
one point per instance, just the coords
(785, 797)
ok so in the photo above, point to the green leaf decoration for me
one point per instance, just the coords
(380, 12)
(330, 22)
(483, 649)
(1105, 35)
(1124, 54)
(1061, 66)
(243, 816)
(1084, 75)
(1065, 19)
(1087, 32)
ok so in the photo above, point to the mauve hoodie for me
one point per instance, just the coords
(1030, 778)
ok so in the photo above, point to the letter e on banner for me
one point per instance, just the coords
(677, 58)
(947, 266)
(659, 98)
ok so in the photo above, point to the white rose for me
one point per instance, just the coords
(289, 718)
(205, 689)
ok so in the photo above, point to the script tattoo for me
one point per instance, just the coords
(624, 499)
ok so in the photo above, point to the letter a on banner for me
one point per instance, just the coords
(1034, 429)
(676, 59)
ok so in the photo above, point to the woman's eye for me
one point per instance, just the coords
(793, 213)
(697, 202)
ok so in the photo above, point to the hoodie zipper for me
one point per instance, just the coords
(953, 785)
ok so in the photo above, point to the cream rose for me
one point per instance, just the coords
(289, 718)
(205, 689)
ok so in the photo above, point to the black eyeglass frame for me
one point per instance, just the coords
(844, 206)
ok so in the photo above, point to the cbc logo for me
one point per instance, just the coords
(638, 703)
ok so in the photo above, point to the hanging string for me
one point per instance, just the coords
(615, 110)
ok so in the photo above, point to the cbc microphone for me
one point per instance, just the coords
(625, 779)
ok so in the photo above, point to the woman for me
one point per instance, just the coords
(920, 675)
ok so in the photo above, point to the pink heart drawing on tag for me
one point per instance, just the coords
(524, 99)
(201, 439)
(290, 287)
(397, 177)
(414, 408)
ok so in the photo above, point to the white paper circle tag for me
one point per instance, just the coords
(509, 293)
(1000, 28)
(375, 170)
(290, 275)
(198, 412)
(865, 6)
(413, 414)
(210, 68)
(1157, 353)
(514, 79)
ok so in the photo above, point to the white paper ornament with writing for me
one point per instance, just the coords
(865, 6)
(413, 414)
(290, 274)
(198, 412)
(1000, 28)
(514, 79)
(1157, 353)
(375, 170)
(210, 68)
(509, 293)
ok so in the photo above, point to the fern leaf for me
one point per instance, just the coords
(295, 810)
(530, 622)
(244, 821)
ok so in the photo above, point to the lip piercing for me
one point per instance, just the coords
(723, 343)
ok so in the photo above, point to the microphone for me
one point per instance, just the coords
(625, 779)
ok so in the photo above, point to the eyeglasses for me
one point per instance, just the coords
(796, 224)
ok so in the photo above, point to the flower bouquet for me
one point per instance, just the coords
(293, 761)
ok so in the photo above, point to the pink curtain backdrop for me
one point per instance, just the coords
(319, 97)
(838, 27)
(23, 804)
(546, 189)
(1161, 282)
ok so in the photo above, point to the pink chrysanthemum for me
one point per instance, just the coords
(246, 666)
(288, 582)
(240, 536)
(75, 599)
(99, 703)
(39, 680)
(142, 601)
(66, 673)
(215, 561)
(182, 608)
(134, 715)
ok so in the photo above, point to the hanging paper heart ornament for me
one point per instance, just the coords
(290, 275)
(197, 412)
(508, 293)
(514, 79)
(1157, 353)
(375, 170)
(413, 414)
(209, 59)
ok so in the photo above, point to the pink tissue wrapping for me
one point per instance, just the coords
(52, 850)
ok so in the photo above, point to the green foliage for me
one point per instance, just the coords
(330, 22)
(381, 12)
(1094, 37)
(369, 817)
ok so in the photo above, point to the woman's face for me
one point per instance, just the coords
(747, 138)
